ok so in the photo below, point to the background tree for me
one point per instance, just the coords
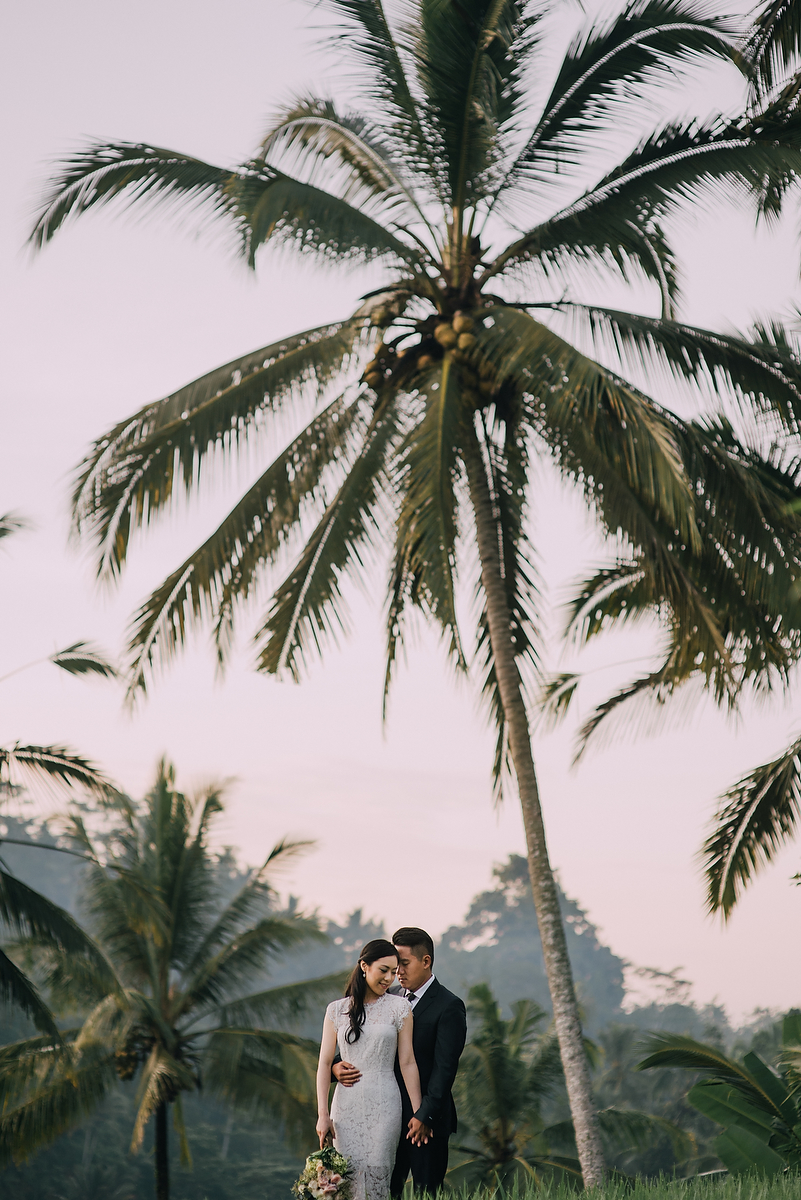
(471, 378)
(170, 1009)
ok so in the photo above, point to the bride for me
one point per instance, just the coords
(369, 1027)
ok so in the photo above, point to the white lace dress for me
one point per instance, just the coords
(367, 1116)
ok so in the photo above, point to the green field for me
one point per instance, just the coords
(742, 1187)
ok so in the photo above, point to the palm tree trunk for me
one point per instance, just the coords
(543, 884)
(162, 1154)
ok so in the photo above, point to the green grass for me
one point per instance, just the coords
(743, 1187)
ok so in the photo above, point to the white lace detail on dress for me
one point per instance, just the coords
(367, 1116)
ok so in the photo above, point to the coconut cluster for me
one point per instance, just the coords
(438, 336)
(456, 334)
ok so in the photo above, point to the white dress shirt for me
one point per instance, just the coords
(420, 992)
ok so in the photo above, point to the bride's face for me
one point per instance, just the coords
(380, 974)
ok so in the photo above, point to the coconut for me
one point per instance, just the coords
(446, 335)
(462, 323)
(466, 341)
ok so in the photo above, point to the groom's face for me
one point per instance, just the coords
(412, 971)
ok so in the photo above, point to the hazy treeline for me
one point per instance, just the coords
(497, 943)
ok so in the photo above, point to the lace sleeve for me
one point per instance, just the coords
(402, 1012)
(334, 1013)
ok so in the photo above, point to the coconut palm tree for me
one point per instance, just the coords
(486, 201)
(168, 1004)
(508, 1072)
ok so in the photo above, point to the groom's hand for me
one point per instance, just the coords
(419, 1134)
(346, 1074)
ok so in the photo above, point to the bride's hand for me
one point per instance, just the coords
(325, 1130)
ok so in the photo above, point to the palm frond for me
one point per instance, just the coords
(163, 1078)
(755, 161)
(81, 658)
(469, 62)
(730, 614)
(130, 474)
(579, 408)
(676, 1050)
(759, 815)
(622, 60)
(276, 207)
(47, 1091)
(132, 173)
(18, 989)
(253, 899)
(223, 571)
(764, 371)
(424, 471)
(556, 697)
(368, 38)
(264, 1073)
(56, 767)
(316, 131)
(31, 915)
(246, 956)
(774, 44)
(282, 1005)
(11, 523)
(307, 606)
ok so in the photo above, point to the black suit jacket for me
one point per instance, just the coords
(440, 1029)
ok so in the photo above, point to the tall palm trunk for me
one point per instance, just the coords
(543, 884)
(162, 1154)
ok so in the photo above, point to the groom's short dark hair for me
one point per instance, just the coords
(418, 941)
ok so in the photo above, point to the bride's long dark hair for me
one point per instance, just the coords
(356, 987)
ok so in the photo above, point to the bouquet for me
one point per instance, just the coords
(326, 1176)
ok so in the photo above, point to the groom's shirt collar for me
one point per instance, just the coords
(421, 991)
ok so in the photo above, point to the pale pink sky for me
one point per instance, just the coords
(118, 312)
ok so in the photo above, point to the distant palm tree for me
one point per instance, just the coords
(427, 430)
(168, 1003)
(506, 1075)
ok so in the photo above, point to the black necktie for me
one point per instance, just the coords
(410, 996)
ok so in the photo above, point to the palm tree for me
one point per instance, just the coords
(506, 1075)
(426, 407)
(167, 1004)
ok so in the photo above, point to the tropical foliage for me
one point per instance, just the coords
(758, 1107)
(54, 765)
(509, 1069)
(24, 912)
(418, 416)
(164, 1002)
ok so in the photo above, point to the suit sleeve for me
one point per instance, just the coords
(449, 1044)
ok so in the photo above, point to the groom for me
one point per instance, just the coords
(440, 1027)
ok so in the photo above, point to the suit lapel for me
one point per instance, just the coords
(424, 1001)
